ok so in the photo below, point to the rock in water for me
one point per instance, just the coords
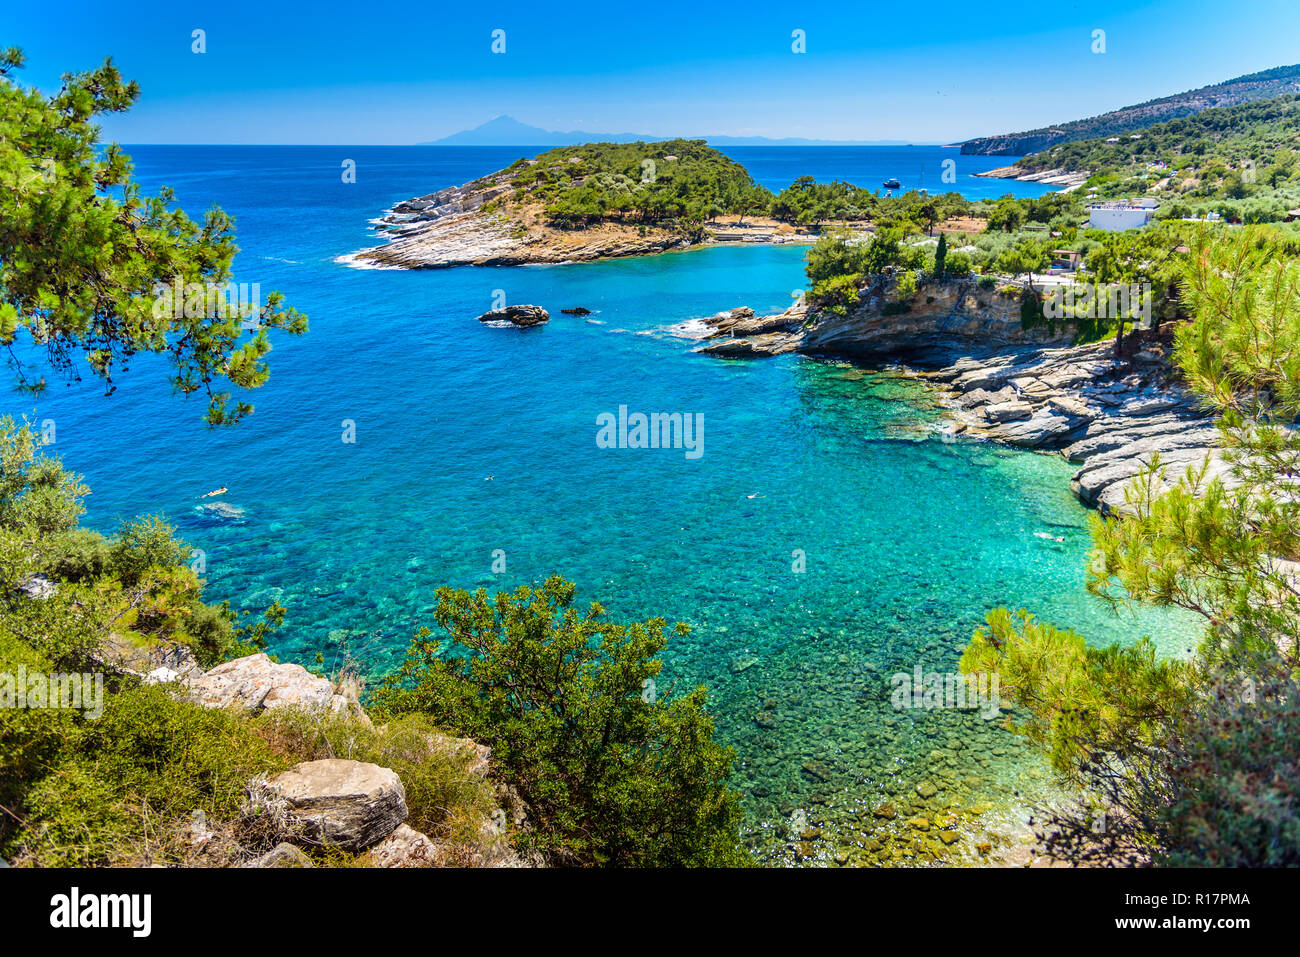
(522, 316)
(577, 311)
(350, 805)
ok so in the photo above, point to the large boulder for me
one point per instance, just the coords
(350, 805)
(522, 315)
(256, 682)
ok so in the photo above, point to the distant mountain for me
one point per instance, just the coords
(1242, 89)
(508, 131)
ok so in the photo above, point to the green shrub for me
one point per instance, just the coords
(611, 773)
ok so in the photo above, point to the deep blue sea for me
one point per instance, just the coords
(906, 540)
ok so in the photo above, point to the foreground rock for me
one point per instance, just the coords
(523, 316)
(348, 805)
(282, 855)
(405, 847)
(256, 683)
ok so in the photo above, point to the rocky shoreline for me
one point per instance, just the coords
(1107, 414)
(1068, 179)
(461, 226)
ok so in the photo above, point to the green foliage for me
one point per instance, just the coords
(123, 787)
(444, 794)
(1194, 760)
(637, 183)
(82, 252)
(1079, 699)
(611, 772)
(136, 585)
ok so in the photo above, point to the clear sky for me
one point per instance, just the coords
(393, 72)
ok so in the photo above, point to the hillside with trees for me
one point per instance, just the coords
(1242, 89)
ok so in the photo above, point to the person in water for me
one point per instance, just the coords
(215, 491)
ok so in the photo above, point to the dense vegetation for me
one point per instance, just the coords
(674, 182)
(1241, 162)
(1191, 761)
(612, 771)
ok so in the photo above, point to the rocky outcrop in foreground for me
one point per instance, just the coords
(1109, 415)
(351, 807)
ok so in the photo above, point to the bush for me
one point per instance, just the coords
(611, 773)
(123, 787)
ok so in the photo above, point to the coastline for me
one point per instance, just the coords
(1108, 414)
(1068, 180)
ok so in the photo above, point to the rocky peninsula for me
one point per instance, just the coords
(580, 203)
(1107, 413)
(487, 223)
(1068, 180)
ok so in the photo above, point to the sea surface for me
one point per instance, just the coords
(825, 539)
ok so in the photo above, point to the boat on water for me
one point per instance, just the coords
(892, 183)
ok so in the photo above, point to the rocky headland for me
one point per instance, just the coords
(487, 223)
(1109, 414)
(1069, 180)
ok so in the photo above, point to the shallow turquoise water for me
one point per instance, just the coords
(907, 540)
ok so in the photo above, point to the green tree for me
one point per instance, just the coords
(83, 254)
(1194, 760)
(613, 771)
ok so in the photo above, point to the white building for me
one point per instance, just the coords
(1117, 216)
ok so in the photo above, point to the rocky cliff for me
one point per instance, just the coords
(1107, 413)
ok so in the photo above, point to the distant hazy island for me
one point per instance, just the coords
(508, 131)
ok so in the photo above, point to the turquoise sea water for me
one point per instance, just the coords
(906, 540)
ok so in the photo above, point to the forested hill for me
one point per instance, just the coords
(1250, 137)
(645, 183)
(1242, 89)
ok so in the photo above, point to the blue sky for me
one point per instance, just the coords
(332, 72)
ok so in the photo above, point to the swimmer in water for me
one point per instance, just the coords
(1050, 538)
(488, 479)
(215, 491)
